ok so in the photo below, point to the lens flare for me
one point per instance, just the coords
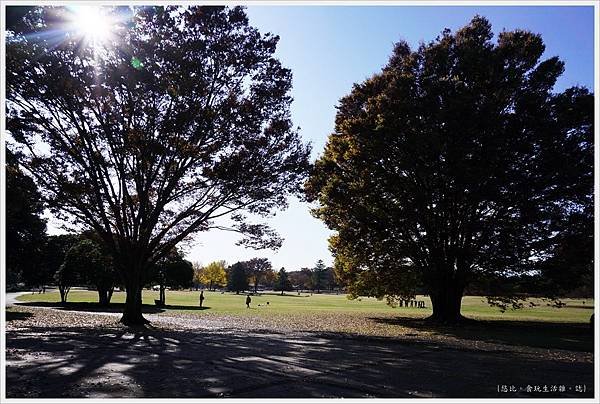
(92, 23)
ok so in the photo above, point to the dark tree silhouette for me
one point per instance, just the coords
(179, 118)
(101, 274)
(237, 277)
(180, 274)
(54, 251)
(172, 271)
(25, 228)
(456, 161)
(84, 259)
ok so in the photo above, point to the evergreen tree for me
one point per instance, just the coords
(283, 282)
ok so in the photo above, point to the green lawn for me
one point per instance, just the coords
(576, 310)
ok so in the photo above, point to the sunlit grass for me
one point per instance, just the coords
(575, 311)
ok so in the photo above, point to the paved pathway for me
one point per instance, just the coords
(11, 298)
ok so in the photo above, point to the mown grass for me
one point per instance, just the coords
(476, 307)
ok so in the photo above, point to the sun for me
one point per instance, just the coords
(92, 23)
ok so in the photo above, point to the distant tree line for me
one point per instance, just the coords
(258, 273)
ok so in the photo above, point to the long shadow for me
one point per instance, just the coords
(89, 306)
(179, 307)
(54, 362)
(15, 315)
(538, 334)
(111, 308)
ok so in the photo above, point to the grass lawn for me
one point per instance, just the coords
(476, 307)
(539, 326)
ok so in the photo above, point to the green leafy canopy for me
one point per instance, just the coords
(457, 161)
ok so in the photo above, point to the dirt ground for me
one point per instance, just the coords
(52, 354)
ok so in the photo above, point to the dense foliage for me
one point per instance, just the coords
(237, 277)
(25, 228)
(458, 162)
(213, 275)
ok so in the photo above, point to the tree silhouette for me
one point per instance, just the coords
(25, 228)
(237, 277)
(172, 271)
(456, 162)
(54, 251)
(180, 118)
(83, 260)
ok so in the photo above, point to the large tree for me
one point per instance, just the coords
(457, 161)
(148, 135)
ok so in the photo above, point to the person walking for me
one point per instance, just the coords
(201, 297)
(248, 301)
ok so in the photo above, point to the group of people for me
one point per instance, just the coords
(248, 300)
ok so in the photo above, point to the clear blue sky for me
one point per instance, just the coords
(330, 48)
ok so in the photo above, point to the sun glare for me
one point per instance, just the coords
(92, 23)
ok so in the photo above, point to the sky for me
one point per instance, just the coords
(328, 48)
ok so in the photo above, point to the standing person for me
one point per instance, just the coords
(201, 297)
(248, 300)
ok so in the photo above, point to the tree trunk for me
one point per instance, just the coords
(64, 291)
(102, 297)
(446, 302)
(162, 296)
(132, 314)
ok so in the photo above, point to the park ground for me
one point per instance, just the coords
(297, 346)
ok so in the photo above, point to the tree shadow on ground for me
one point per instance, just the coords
(111, 308)
(15, 315)
(53, 362)
(180, 307)
(539, 334)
